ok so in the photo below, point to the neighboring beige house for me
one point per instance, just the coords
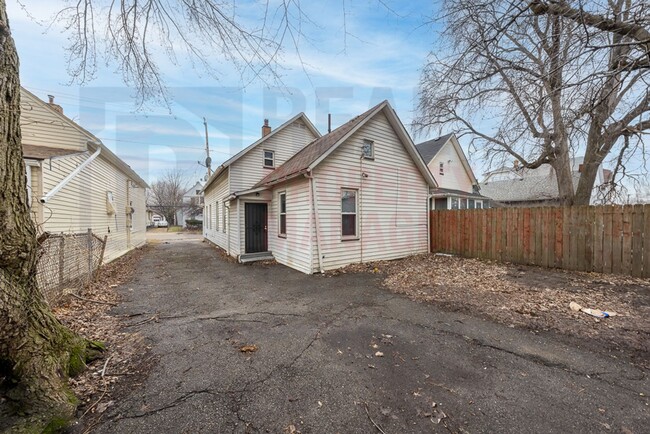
(518, 186)
(458, 188)
(357, 194)
(76, 183)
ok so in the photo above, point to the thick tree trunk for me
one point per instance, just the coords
(37, 352)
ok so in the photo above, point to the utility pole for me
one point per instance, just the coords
(208, 160)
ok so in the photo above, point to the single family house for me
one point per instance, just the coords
(357, 194)
(75, 183)
(457, 188)
(192, 207)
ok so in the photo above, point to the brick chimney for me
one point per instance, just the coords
(266, 129)
(54, 107)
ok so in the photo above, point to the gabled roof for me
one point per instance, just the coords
(315, 152)
(528, 188)
(93, 141)
(219, 170)
(431, 148)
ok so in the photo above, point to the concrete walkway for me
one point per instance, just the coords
(341, 354)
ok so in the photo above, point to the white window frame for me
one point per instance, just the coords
(223, 216)
(210, 216)
(272, 166)
(366, 156)
(280, 214)
(216, 215)
(441, 171)
(355, 213)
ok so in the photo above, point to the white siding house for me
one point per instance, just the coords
(457, 188)
(75, 183)
(357, 194)
(224, 207)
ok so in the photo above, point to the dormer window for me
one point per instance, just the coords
(368, 149)
(442, 168)
(269, 159)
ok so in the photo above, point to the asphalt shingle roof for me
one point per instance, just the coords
(313, 151)
(430, 148)
(528, 188)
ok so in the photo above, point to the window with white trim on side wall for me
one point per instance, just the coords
(349, 220)
(269, 159)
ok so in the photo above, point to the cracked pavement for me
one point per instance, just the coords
(330, 348)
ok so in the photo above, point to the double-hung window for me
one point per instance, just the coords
(349, 220)
(269, 159)
(216, 215)
(282, 215)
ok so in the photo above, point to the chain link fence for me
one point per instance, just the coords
(67, 262)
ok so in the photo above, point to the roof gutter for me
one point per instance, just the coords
(70, 176)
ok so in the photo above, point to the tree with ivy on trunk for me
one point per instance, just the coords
(543, 81)
(37, 352)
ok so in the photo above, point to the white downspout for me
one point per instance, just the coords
(317, 220)
(228, 226)
(70, 177)
(429, 218)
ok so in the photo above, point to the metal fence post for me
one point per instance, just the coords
(61, 259)
(90, 254)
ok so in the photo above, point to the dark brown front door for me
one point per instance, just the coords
(255, 222)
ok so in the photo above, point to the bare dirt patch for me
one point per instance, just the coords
(525, 296)
(126, 360)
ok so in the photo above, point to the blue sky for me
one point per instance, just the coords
(338, 72)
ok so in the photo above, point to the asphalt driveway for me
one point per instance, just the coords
(343, 355)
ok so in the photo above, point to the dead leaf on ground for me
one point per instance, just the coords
(248, 348)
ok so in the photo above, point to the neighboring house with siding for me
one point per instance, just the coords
(75, 183)
(457, 188)
(522, 187)
(357, 194)
(192, 208)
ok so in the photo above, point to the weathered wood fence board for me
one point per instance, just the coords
(606, 239)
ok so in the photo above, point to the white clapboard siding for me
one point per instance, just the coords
(214, 202)
(393, 205)
(81, 204)
(455, 175)
(41, 126)
(249, 169)
(294, 250)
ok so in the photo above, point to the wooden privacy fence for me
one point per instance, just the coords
(606, 239)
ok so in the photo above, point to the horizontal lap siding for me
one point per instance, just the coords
(213, 228)
(248, 170)
(455, 177)
(81, 204)
(392, 204)
(40, 126)
(294, 250)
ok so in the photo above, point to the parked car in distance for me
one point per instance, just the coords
(159, 222)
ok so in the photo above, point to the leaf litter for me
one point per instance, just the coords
(524, 296)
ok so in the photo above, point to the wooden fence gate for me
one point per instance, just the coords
(606, 239)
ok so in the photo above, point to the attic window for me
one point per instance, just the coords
(368, 149)
(442, 168)
(269, 159)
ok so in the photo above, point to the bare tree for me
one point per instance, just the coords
(541, 87)
(166, 194)
(37, 352)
